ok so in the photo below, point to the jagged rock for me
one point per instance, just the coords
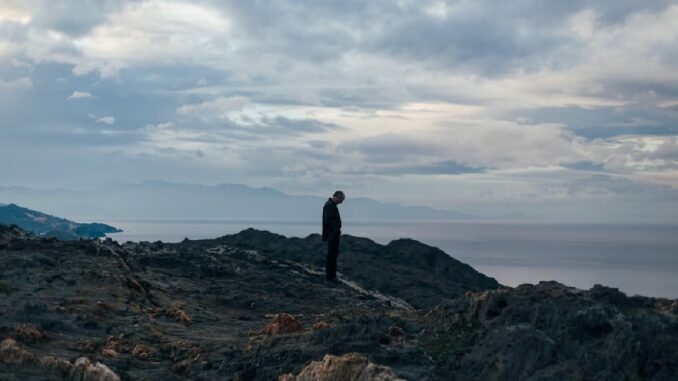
(110, 353)
(515, 352)
(395, 331)
(11, 353)
(174, 312)
(180, 315)
(141, 351)
(86, 346)
(421, 275)
(29, 333)
(350, 366)
(486, 305)
(113, 346)
(13, 232)
(281, 324)
(668, 305)
(320, 325)
(550, 331)
(84, 370)
(183, 367)
(51, 362)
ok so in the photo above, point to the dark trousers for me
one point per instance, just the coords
(331, 261)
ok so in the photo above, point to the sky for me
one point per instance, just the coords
(565, 108)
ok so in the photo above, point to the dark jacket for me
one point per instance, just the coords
(331, 221)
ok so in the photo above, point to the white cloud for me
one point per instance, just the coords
(152, 32)
(218, 107)
(79, 94)
(14, 12)
(109, 120)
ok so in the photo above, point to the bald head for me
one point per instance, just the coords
(338, 197)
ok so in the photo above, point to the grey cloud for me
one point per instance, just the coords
(317, 31)
(369, 56)
(620, 185)
(470, 37)
(574, 183)
(393, 154)
(668, 152)
(43, 115)
(392, 146)
(74, 17)
(644, 90)
(475, 42)
(607, 122)
(270, 127)
(297, 126)
(448, 167)
(13, 31)
(585, 166)
(274, 37)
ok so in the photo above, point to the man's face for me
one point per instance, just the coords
(338, 200)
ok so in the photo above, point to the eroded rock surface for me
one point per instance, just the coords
(84, 370)
(281, 324)
(255, 306)
(550, 331)
(350, 366)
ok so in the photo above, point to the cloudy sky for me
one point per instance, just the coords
(566, 108)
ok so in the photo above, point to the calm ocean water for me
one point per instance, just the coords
(638, 259)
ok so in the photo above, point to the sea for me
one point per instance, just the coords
(637, 259)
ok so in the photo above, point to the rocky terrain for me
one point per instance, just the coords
(254, 306)
(50, 226)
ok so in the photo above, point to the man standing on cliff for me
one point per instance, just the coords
(332, 233)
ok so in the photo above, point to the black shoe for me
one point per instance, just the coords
(332, 280)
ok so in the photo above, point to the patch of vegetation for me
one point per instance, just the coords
(5, 288)
(447, 346)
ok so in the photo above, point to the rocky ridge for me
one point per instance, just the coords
(254, 306)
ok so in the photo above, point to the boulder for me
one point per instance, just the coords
(11, 353)
(181, 316)
(281, 324)
(29, 333)
(84, 370)
(51, 362)
(350, 366)
(141, 351)
(320, 325)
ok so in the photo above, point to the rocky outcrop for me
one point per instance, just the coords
(50, 226)
(255, 306)
(29, 333)
(9, 233)
(421, 275)
(12, 353)
(281, 324)
(350, 366)
(84, 370)
(552, 331)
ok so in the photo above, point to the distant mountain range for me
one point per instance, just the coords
(165, 200)
(45, 225)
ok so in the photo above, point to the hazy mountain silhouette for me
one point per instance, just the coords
(165, 200)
